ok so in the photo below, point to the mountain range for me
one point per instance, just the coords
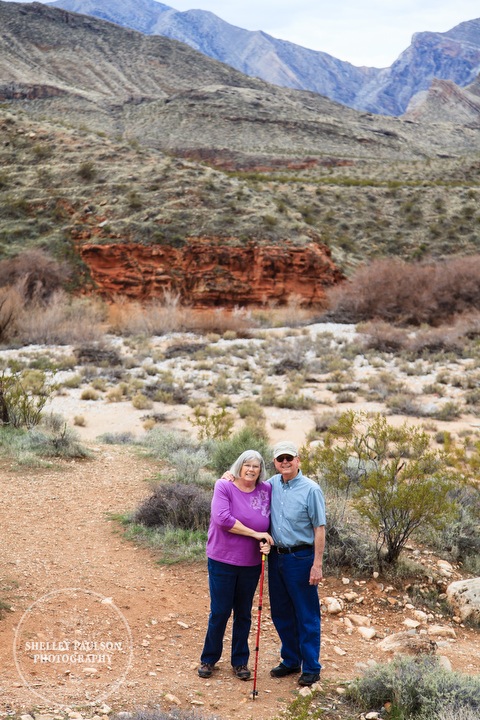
(164, 94)
(452, 56)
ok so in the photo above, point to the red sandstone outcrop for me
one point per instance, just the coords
(208, 273)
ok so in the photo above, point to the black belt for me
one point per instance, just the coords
(295, 548)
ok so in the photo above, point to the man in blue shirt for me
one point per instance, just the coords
(295, 565)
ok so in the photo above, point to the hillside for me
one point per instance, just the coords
(162, 93)
(112, 139)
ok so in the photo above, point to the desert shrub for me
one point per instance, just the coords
(452, 713)
(397, 482)
(460, 537)
(448, 411)
(254, 417)
(325, 420)
(141, 401)
(10, 307)
(167, 392)
(37, 275)
(212, 426)
(122, 438)
(21, 405)
(189, 464)
(89, 394)
(417, 688)
(87, 170)
(250, 409)
(4, 608)
(161, 443)
(179, 505)
(292, 398)
(288, 364)
(408, 294)
(97, 354)
(381, 385)
(168, 315)
(348, 543)
(173, 714)
(224, 453)
(382, 336)
(45, 442)
(404, 404)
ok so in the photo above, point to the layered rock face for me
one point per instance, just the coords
(207, 272)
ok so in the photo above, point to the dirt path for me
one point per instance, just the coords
(71, 577)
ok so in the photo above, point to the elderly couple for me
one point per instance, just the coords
(251, 515)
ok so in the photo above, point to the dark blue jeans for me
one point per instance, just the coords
(295, 609)
(232, 588)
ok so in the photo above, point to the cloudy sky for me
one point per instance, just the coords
(364, 32)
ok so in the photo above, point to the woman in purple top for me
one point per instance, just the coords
(240, 519)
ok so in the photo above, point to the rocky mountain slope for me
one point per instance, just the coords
(113, 139)
(162, 93)
(453, 55)
(446, 102)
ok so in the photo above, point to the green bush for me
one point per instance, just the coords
(212, 426)
(417, 688)
(226, 452)
(20, 405)
(396, 481)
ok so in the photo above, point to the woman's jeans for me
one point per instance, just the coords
(232, 587)
(295, 609)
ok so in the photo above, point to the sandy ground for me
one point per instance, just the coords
(69, 576)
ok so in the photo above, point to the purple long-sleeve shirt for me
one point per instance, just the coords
(228, 505)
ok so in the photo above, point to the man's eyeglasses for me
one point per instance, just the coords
(281, 458)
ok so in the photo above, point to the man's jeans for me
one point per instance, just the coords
(232, 587)
(295, 609)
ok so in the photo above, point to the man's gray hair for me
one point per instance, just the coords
(245, 457)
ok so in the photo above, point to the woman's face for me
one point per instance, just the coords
(250, 471)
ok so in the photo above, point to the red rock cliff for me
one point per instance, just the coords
(206, 273)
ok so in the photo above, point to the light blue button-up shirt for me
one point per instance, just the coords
(297, 508)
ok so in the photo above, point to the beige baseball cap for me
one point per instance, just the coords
(285, 448)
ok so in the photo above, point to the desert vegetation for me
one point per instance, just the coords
(380, 372)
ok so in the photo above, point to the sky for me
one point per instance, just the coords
(363, 32)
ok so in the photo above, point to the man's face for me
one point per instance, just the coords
(287, 465)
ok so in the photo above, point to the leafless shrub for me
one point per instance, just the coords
(36, 275)
(325, 420)
(11, 305)
(382, 336)
(178, 505)
(408, 294)
(97, 354)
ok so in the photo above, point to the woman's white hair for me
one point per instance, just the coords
(245, 457)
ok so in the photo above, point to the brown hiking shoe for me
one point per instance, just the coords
(205, 670)
(241, 672)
